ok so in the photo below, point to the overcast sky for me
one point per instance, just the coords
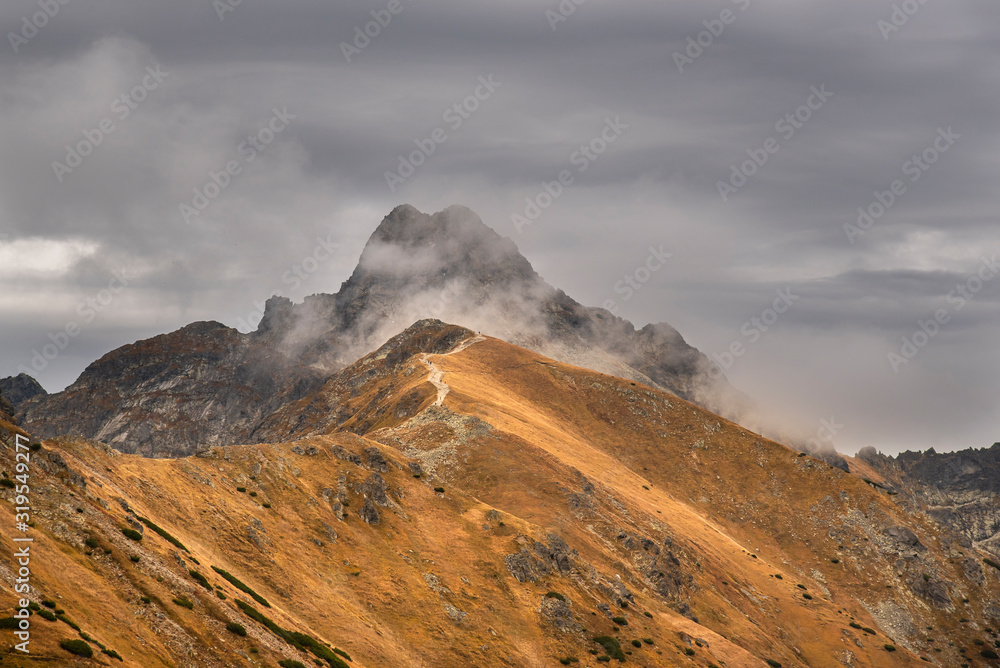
(686, 92)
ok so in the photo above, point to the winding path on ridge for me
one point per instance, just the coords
(437, 375)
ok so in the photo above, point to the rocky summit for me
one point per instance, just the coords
(209, 384)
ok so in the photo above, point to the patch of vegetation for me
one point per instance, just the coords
(77, 647)
(611, 646)
(266, 505)
(47, 614)
(992, 563)
(620, 621)
(34, 447)
(300, 641)
(556, 595)
(237, 628)
(68, 622)
(134, 558)
(132, 534)
(184, 602)
(162, 533)
(648, 641)
(636, 643)
(889, 648)
(112, 653)
(48, 603)
(242, 490)
(808, 597)
(855, 625)
(253, 493)
(8, 623)
(439, 490)
(569, 659)
(648, 614)
(772, 663)
(989, 654)
(778, 576)
(200, 579)
(33, 606)
(835, 561)
(7, 482)
(342, 653)
(291, 663)
(221, 596)
(144, 599)
(688, 651)
(233, 580)
(869, 630)
(801, 586)
(91, 543)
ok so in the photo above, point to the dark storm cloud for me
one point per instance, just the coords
(322, 179)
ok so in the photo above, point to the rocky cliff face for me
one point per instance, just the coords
(961, 490)
(207, 384)
(174, 394)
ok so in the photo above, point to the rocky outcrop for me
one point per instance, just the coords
(961, 490)
(18, 389)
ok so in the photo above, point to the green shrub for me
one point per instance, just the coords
(300, 641)
(184, 602)
(253, 493)
(648, 641)
(689, 651)
(200, 579)
(868, 630)
(33, 606)
(163, 534)
(132, 534)
(134, 558)
(47, 614)
(113, 654)
(772, 663)
(611, 646)
(233, 580)
(48, 603)
(556, 595)
(855, 625)
(291, 663)
(91, 543)
(801, 587)
(68, 622)
(569, 659)
(620, 621)
(77, 647)
(889, 648)
(835, 561)
(236, 628)
(636, 643)
(7, 482)
(808, 597)
(604, 658)
(989, 654)
(439, 490)
(266, 505)
(221, 596)
(648, 614)
(35, 447)
(144, 599)
(241, 490)
(342, 653)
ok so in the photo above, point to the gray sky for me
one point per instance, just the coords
(691, 88)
